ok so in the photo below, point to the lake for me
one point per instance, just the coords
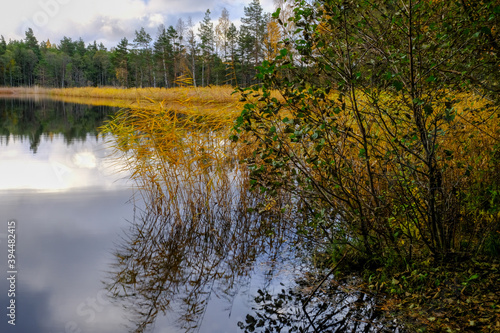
(93, 253)
(71, 206)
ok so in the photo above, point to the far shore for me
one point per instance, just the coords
(23, 90)
(141, 98)
(221, 94)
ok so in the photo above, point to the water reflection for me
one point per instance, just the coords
(30, 120)
(58, 183)
(53, 146)
(57, 166)
(176, 259)
(336, 307)
(201, 230)
(64, 240)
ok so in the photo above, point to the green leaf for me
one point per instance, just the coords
(449, 114)
(473, 277)
(398, 85)
(486, 30)
(428, 109)
(276, 14)
(418, 101)
(431, 78)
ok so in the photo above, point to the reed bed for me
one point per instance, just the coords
(20, 91)
(201, 228)
(212, 94)
(180, 98)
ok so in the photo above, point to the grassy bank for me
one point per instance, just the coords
(214, 94)
(22, 91)
(140, 98)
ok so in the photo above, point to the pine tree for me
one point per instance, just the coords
(143, 57)
(193, 49)
(173, 38)
(163, 51)
(32, 43)
(253, 26)
(206, 34)
(121, 62)
(232, 42)
(3, 45)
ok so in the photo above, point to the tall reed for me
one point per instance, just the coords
(199, 226)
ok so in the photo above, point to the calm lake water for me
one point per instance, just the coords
(68, 202)
(74, 209)
(72, 206)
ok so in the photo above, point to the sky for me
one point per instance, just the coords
(108, 21)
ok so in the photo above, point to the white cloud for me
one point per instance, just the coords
(155, 20)
(109, 20)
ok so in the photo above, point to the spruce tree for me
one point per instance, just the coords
(206, 34)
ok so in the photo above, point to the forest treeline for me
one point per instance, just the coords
(211, 54)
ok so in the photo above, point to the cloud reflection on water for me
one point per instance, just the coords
(58, 166)
(63, 247)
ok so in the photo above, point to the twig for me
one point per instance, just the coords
(316, 289)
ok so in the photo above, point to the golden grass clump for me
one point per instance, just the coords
(23, 91)
(181, 98)
(212, 94)
(196, 230)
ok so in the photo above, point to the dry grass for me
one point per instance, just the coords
(138, 98)
(20, 91)
(213, 94)
(197, 229)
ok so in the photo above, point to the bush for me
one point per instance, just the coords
(388, 128)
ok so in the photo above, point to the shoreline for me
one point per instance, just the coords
(22, 91)
(141, 98)
(133, 97)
